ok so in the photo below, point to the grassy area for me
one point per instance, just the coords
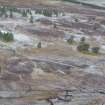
(90, 53)
(72, 42)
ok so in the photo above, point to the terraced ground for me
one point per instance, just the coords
(40, 65)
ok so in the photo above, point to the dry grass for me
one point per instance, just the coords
(41, 95)
(24, 2)
(95, 101)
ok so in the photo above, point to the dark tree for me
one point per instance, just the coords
(39, 45)
(31, 19)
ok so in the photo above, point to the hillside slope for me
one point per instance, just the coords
(23, 2)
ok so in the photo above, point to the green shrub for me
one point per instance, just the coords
(76, 20)
(82, 40)
(1, 34)
(47, 13)
(38, 11)
(11, 14)
(39, 45)
(31, 19)
(6, 36)
(24, 13)
(29, 11)
(71, 40)
(83, 47)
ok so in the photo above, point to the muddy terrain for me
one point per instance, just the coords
(41, 62)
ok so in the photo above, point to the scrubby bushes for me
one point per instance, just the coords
(86, 48)
(71, 40)
(83, 46)
(6, 36)
(82, 40)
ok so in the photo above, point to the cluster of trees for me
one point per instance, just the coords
(6, 36)
(48, 13)
(26, 12)
(85, 47)
(8, 11)
(3, 12)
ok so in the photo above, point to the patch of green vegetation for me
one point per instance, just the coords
(89, 53)
(49, 13)
(84, 48)
(72, 43)
(24, 13)
(8, 11)
(31, 19)
(39, 45)
(6, 36)
(71, 40)
(11, 14)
